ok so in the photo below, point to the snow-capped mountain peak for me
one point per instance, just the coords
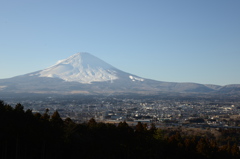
(81, 67)
(84, 73)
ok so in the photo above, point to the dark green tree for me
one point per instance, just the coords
(46, 116)
(56, 119)
(139, 127)
(19, 108)
(92, 122)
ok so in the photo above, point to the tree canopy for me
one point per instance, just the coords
(24, 134)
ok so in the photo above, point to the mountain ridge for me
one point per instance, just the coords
(87, 74)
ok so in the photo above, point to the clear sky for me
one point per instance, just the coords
(167, 40)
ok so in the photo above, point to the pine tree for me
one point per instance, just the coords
(56, 119)
(139, 127)
(152, 128)
(19, 108)
(46, 116)
(92, 122)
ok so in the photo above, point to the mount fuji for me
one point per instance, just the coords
(84, 73)
(82, 68)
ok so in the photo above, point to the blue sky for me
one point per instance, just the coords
(167, 40)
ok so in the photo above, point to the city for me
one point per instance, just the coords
(189, 111)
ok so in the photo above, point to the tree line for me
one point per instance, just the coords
(24, 134)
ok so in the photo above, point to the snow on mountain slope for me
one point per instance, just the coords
(86, 73)
(81, 67)
(136, 78)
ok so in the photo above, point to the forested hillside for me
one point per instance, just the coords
(28, 135)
